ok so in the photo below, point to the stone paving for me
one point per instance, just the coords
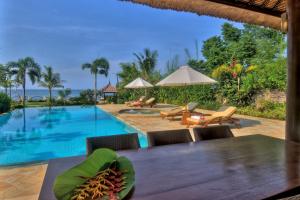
(21, 183)
(249, 125)
(24, 183)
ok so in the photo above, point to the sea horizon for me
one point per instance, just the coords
(39, 93)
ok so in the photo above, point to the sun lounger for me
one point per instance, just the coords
(178, 111)
(132, 103)
(219, 117)
(150, 102)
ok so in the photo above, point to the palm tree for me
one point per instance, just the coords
(23, 68)
(6, 81)
(3, 77)
(172, 65)
(129, 73)
(147, 62)
(99, 66)
(50, 80)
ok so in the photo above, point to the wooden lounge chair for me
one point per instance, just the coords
(114, 142)
(141, 99)
(212, 132)
(216, 118)
(158, 138)
(150, 102)
(178, 111)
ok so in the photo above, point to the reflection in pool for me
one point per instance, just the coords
(37, 134)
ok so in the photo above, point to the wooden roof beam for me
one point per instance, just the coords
(276, 4)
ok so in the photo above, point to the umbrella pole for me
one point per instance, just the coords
(186, 96)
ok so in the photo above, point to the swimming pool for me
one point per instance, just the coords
(39, 134)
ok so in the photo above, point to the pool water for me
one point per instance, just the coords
(39, 134)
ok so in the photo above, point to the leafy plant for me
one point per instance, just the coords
(87, 96)
(271, 110)
(5, 103)
(67, 182)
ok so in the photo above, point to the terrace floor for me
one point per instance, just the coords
(24, 183)
(249, 125)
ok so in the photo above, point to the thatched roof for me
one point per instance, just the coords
(260, 12)
(109, 89)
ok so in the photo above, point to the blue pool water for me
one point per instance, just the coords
(38, 134)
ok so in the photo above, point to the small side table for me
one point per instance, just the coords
(185, 115)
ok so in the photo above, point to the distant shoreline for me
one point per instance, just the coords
(39, 93)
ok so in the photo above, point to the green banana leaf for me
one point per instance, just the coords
(100, 159)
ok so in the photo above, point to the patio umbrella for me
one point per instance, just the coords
(139, 83)
(185, 76)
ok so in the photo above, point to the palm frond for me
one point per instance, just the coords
(102, 66)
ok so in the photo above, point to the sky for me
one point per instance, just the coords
(67, 33)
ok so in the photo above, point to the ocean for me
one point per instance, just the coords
(38, 93)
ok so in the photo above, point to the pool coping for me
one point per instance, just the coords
(157, 114)
(27, 164)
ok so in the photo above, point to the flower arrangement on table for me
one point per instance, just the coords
(103, 175)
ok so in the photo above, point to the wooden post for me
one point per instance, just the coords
(293, 91)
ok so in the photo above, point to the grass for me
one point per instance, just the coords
(44, 104)
(37, 104)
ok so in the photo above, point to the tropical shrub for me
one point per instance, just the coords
(111, 99)
(5, 103)
(86, 97)
(264, 105)
(63, 95)
(203, 94)
(268, 110)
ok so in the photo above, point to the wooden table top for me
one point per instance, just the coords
(249, 167)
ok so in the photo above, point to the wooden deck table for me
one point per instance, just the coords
(249, 167)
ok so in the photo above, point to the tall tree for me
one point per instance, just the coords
(188, 54)
(147, 62)
(129, 72)
(230, 33)
(214, 50)
(271, 44)
(50, 80)
(194, 61)
(23, 68)
(6, 80)
(99, 66)
(172, 65)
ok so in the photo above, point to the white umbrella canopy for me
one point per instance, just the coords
(184, 76)
(139, 83)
